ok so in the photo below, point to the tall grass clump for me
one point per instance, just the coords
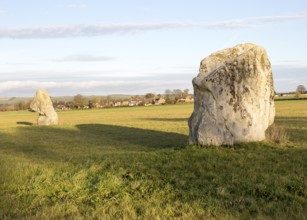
(277, 134)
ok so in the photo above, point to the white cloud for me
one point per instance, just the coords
(28, 88)
(122, 81)
(84, 58)
(287, 80)
(280, 18)
(92, 30)
(99, 74)
(290, 65)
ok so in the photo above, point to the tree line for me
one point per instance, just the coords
(81, 102)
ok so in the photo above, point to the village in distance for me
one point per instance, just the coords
(79, 101)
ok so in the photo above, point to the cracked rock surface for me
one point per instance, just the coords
(233, 97)
(43, 105)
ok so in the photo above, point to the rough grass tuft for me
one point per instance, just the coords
(277, 134)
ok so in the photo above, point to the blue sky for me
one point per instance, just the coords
(133, 47)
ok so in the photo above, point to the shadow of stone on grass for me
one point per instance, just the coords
(24, 123)
(86, 141)
(135, 136)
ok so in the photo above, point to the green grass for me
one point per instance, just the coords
(134, 163)
(291, 97)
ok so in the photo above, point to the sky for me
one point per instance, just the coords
(98, 47)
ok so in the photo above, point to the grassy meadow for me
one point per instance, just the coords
(135, 163)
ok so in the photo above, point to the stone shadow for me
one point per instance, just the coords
(85, 141)
(150, 139)
(24, 123)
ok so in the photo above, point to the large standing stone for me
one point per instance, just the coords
(233, 97)
(43, 105)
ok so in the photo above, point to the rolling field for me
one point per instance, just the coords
(135, 163)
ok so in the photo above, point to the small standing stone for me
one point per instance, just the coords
(43, 105)
(234, 95)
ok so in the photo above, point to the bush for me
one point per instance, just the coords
(297, 95)
(277, 134)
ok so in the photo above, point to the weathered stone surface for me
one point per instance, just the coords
(233, 100)
(43, 105)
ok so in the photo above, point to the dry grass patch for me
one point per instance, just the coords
(277, 134)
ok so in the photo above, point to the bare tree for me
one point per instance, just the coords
(80, 101)
(301, 89)
(177, 93)
(185, 93)
(149, 95)
(168, 92)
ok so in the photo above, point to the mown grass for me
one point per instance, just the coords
(134, 163)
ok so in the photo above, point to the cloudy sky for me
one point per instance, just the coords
(98, 47)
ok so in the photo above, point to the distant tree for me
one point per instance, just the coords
(142, 103)
(7, 107)
(185, 93)
(170, 100)
(96, 99)
(80, 101)
(177, 93)
(149, 95)
(22, 105)
(301, 89)
(91, 104)
(297, 95)
(69, 104)
(168, 92)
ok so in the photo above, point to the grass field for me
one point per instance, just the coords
(134, 163)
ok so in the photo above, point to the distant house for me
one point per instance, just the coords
(181, 100)
(132, 103)
(117, 104)
(62, 107)
(159, 101)
(125, 103)
(189, 99)
(140, 102)
(98, 105)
